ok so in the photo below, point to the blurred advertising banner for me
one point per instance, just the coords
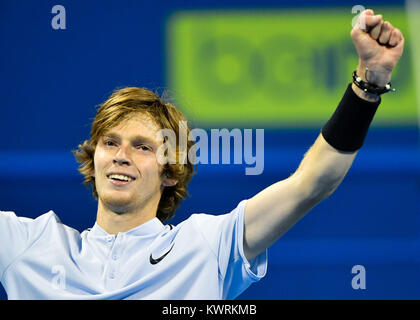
(277, 68)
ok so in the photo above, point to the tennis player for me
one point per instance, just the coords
(130, 253)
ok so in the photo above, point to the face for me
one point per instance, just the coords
(127, 174)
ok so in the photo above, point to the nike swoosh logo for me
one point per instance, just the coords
(155, 261)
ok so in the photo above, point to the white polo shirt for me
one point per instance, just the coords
(200, 258)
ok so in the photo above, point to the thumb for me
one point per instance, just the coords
(367, 21)
(369, 12)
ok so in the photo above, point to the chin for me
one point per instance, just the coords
(119, 204)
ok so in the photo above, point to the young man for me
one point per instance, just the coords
(129, 253)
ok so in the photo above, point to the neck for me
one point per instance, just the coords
(113, 222)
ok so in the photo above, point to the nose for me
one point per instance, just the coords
(121, 157)
(121, 161)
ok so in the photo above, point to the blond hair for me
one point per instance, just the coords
(120, 106)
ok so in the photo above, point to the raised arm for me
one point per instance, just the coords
(271, 212)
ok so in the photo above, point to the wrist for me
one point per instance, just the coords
(347, 128)
(375, 76)
(370, 83)
(371, 97)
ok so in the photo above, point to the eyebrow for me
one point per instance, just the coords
(137, 138)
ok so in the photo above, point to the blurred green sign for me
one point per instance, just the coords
(286, 68)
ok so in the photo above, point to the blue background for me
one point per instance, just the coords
(53, 79)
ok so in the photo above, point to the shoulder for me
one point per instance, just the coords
(33, 227)
(10, 218)
(213, 227)
(206, 220)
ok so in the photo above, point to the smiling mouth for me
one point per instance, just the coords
(120, 179)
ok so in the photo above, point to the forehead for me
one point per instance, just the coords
(136, 124)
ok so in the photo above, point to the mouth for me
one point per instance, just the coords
(118, 179)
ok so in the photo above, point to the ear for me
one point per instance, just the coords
(166, 182)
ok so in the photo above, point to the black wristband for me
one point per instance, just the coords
(346, 130)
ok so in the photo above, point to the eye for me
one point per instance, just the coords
(109, 143)
(144, 147)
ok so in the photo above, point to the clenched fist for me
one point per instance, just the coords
(379, 46)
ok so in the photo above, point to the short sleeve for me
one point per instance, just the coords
(224, 233)
(16, 235)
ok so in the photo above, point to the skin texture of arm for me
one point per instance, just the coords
(270, 213)
(274, 210)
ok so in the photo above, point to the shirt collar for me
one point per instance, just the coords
(150, 227)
